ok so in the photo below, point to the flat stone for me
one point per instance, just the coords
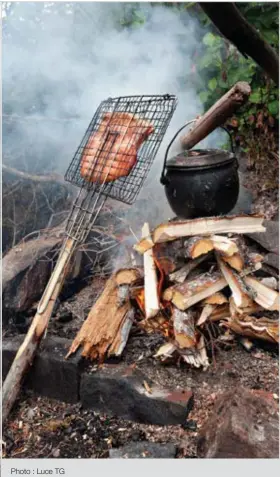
(270, 238)
(244, 424)
(126, 392)
(51, 375)
(144, 450)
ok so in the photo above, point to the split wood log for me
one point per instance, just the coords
(234, 26)
(217, 114)
(192, 291)
(106, 329)
(170, 231)
(216, 299)
(264, 296)
(240, 292)
(180, 275)
(184, 329)
(152, 303)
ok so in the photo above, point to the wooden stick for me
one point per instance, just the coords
(152, 305)
(217, 114)
(27, 350)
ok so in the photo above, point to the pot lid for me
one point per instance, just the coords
(200, 158)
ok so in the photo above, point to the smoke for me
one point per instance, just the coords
(61, 60)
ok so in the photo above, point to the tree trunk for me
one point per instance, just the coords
(231, 23)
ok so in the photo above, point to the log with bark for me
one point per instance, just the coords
(217, 114)
(237, 224)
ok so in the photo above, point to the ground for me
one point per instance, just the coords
(43, 428)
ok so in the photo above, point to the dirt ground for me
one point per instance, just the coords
(43, 428)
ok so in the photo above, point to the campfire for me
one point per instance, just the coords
(196, 275)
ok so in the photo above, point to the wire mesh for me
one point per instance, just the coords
(118, 148)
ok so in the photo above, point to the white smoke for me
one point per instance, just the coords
(61, 60)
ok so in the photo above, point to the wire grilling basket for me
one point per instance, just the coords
(113, 160)
(109, 143)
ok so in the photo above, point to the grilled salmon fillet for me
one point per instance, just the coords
(111, 151)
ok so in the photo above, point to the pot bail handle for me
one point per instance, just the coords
(163, 179)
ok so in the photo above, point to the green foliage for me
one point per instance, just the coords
(222, 65)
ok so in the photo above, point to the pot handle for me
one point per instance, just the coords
(163, 178)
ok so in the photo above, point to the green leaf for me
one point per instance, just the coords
(273, 107)
(209, 39)
(204, 96)
(212, 84)
(255, 97)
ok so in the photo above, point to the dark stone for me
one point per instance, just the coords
(244, 424)
(269, 239)
(144, 450)
(51, 375)
(272, 259)
(119, 390)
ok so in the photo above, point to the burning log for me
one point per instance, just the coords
(152, 305)
(206, 226)
(217, 114)
(192, 291)
(106, 329)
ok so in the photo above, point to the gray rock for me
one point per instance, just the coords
(270, 238)
(144, 450)
(243, 424)
(120, 390)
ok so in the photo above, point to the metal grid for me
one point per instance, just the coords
(118, 148)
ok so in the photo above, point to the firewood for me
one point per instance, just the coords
(184, 329)
(258, 328)
(197, 246)
(192, 291)
(224, 245)
(169, 256)
(216, 299)
(152, 304)
(270, 282)
(265, 296)
(204, 226)
(206, 312)
(220, 312)
(106, 329)
(165, 351)
(196, 357)
(238, 288)
(180, 275)
(252, 307)
(235, 261)
(127, 276)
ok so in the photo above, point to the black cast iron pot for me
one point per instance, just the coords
(201, 183)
